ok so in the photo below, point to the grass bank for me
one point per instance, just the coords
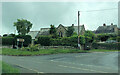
(6, 68)
(17, 52)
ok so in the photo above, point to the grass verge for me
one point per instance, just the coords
(17, 52)
(6, 68)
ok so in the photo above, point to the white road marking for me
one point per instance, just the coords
(29, 68)
(86, 65)
(82, 69)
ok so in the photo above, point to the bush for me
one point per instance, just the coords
(109, 46)
(44, 40)
(31, 48)
(7, 40)
(27, 40)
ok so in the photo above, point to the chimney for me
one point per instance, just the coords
(72, 25)
(104, 24)
(111, 23)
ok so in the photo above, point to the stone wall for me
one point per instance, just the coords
(57, 47)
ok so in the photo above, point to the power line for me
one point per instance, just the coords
(99, 10)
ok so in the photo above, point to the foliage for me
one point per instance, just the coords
(89, 36)
(118, 38)
(68, 41)
(109, 46)
(31, 48)
(44, 40)
(70, 31)
(23, 26)
(11, 35)
(104, 37)
(5, 35)
(27, 40)
(52, 31)
(7, 40)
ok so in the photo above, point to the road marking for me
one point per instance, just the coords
(82, 69)
(29, 68)
(85, 65)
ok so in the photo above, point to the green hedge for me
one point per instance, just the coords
(110, 46)
(27, 38)
(7, 40)
(44, 40)
(65, 41)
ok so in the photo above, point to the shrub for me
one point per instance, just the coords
(44, 40)
(114, 46)
(31, 48)
(7, 40)
(27, 40)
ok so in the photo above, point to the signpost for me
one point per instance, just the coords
(20, 40)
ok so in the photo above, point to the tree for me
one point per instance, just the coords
(5, 35)
(23, 26)
(53, 31)
(70, 31)
(89, 36)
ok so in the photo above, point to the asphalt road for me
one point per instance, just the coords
(106, 62)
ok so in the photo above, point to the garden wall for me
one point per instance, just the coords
(56, 47)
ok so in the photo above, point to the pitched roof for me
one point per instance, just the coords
(33, 34)
(106, 29)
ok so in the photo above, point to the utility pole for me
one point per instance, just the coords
(78, 30)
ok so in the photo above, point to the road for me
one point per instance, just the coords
(104, 62)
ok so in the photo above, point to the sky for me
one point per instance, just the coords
(43, 14)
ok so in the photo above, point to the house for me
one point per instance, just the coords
(110, 29)
(33, 34)
(61, 30)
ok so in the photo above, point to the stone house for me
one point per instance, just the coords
(110, 29)
(61, 30)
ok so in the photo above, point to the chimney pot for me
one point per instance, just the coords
(111, 23)
(72, 24)
(104, 24)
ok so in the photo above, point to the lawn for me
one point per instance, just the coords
(8, 51)
(6, 68)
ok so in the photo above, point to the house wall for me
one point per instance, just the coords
(61, 29)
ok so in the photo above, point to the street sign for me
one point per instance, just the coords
(20, 40)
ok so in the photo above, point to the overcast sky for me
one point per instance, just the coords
(42, 14)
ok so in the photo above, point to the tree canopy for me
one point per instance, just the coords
(89, 36)
(23, 26)
(70, 31)
(52, 31)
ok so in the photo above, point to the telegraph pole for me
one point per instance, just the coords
(78, 30)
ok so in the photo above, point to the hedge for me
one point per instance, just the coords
(65, 41)
(27, 38)
(109, 46)
(44, 40)
(7, 40)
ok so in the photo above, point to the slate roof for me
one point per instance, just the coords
(106, 29)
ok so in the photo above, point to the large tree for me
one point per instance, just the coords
(53, 31)
(23, 26)
(70, 31)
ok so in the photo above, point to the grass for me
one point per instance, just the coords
(6, 68)
(8, 51)
(102, 50)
